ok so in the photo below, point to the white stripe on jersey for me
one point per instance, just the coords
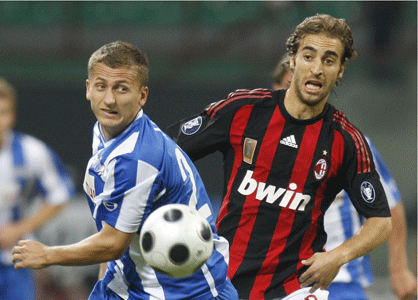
(119, 284)
(135, 199)
(127, 146)
(147, 274)
(210, 280)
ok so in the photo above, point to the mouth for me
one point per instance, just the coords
(109, 113)
(313, 86)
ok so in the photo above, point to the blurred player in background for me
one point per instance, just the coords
(135, 168)
(282, 74)
(287, 154)
(342, 221)
(28, 168)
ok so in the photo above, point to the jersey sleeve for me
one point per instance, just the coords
(204, 133)
(53, 181)
(389, 184)
(363, 183)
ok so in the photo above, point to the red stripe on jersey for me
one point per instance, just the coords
(261, 93)
(239, 123)
(337, 157)
(363, 157)
(287, 216)
(250, 209)
(310, 139)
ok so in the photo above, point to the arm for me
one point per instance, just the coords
(404, 283)
(11, 233)
(324, 266)
(108, 244)
(102, 270)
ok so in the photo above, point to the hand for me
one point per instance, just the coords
(404, 284)
(29, 254)
(9, 235)
(324, 266)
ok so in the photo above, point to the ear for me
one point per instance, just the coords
(144, 95)
(341, 72)
(87, 90)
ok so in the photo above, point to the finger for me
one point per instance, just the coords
(308, 281)
(19, 265)
(16, 258)
(21, 242)
(307, 262)
(316, 286)
(16, 249)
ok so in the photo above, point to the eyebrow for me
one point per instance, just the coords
(327, 53)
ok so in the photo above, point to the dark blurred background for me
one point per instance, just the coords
(201, 51)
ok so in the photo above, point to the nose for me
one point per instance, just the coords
(316, 68)
(109, 98)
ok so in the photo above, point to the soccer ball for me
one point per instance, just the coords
(176, 240)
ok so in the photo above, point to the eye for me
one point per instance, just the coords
(329, 61)
(122, 89)
(99, 86)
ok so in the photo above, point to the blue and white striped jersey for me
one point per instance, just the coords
(342, 221)
(29, 168)
(127, 178)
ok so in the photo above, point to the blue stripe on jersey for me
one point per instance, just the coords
(18, 162)
(18, 158)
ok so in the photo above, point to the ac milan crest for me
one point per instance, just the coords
(320, 169)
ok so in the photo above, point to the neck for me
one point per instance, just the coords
(300, 109)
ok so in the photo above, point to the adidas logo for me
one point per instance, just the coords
(289, 141)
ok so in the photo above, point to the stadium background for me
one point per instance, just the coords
(198, 53)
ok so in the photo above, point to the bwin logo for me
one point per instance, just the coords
(297, 201)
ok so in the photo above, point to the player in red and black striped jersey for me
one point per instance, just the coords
(287, 154)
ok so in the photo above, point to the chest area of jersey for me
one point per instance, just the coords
(93, 184)
(13, 180)
(278, 161)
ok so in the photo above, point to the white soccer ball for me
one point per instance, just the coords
(176, 240)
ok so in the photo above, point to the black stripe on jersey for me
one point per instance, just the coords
(237, 95)
(363, 158)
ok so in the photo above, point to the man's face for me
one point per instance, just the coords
(316, 68)
(115, 96)
(7, 116)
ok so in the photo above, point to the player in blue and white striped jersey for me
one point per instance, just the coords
(28, 169)
(135, 168)
(342, 221)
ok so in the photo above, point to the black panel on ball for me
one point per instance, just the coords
(173, 215)
(179, 254)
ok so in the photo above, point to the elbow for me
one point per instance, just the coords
(115, 252)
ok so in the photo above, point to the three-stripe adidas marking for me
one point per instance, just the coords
(289, 141)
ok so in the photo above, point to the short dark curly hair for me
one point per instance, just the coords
(332, 27)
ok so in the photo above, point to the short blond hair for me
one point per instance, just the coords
(120, 54)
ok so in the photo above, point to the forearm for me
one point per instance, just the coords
(91, 250)
(45, 213)
(374, 232)
(108, 244)
(397, 240)
(102, 270)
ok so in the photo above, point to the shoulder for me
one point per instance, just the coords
(239, 98)
(32, 145)
(355, 142)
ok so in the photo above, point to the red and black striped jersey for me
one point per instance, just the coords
(281, 175)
